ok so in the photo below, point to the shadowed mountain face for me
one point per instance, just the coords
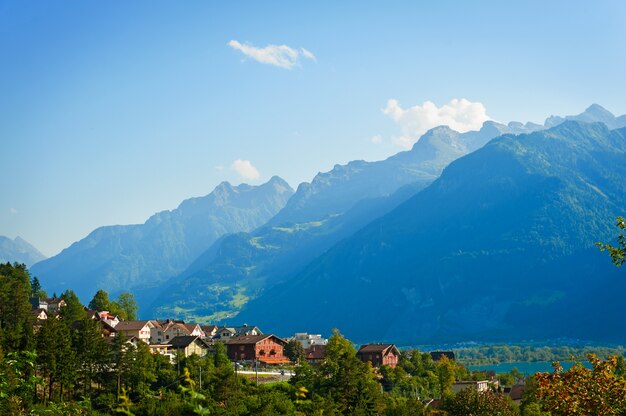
(500, 247)
(137, 257)
(333, 206)
(18, 250)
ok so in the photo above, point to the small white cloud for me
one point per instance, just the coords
(278, 55)
(308, 54)
(459, 114)
(219, 168)
(245, 169)
(378, 139)
(12, 211)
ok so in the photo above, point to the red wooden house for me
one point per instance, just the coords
(379, 354)
(266, 349)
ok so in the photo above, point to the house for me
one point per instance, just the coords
(315, 354)
(516, 393)
(50, 305)
(138, 329)
(307, 340)
(186, 345)
(267, 349)
(40, 314)
(108, 331)
(437, 355)
(379, 354)
(478, 385)
(167, 330)
(227, 332)
(209, 330)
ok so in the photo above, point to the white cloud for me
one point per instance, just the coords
(278, 55)
(378, 139)
(245, 169)
(459, 114)
(12, 211)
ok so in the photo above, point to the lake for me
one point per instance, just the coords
(525, 367)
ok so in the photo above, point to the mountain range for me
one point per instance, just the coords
(500, 247)
(18, 250)
(334, 205)
(140, 257)
(394, 244)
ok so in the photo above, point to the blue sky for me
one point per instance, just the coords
(112, 111)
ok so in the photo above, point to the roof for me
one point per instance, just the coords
(191, 327)
(254, 339)
(51, 300)
(381, 348)
(436, 355)
(517, 391)
(131, 325)
(183, 341)
(208, 328)
(315, 352)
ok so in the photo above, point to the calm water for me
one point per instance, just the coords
(525, 367)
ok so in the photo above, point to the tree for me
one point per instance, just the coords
(294, 351)
(125, 306)
(37, 291)
(618, 253)
(73, 310)
(347, 381)
(100, 301)
(583, 391)
(92, 351)
(469, 402)
(446, 375)
(16, 319)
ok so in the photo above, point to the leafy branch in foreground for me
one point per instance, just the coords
(618, 254)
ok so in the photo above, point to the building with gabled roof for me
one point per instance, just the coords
(137, 329)
(187, 345)
(268, 349)
(379, 354)
(226, 332)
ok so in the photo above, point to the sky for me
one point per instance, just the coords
(112, 111)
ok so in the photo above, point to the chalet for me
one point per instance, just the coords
(267, 349)
(315, 354)
(167, 330)
(379, 354)
(108, 331)
(438, 355)
(227, 332)
(40, 314)
(209, 330)
(138, 329)
(186, 345)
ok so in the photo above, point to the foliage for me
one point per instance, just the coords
(617, 253)
(469, 402)
(16, 319)
(125, 306)
(583, 391)
(294, 351)
(100, 301)
(495, 354)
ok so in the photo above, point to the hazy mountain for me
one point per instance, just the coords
(18, 250)
(333, 206)
(500, 247)
(594, 113)
(124, 257)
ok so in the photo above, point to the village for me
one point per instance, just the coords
(248, 347)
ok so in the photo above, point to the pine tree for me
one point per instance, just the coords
(16, 319)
